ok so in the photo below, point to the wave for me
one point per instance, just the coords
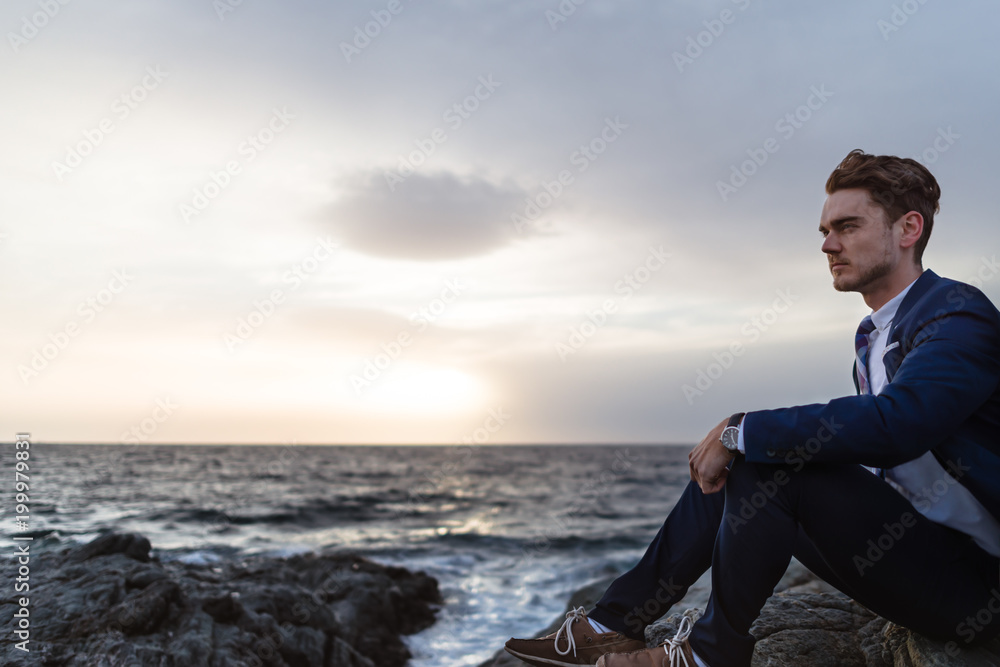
(312, 513)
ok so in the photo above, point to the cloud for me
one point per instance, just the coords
(427, 217)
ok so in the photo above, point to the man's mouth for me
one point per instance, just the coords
(837, 265)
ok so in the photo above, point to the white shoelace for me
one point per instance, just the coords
(673, 647)
(578, 614)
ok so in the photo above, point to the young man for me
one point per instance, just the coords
(911, 464)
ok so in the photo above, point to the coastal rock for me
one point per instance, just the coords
(807, 623)
(109, 603)
(132, 545)
(831, 630)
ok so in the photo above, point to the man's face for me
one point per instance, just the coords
(861, 247)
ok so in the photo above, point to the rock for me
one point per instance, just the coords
(143, 613)
(192, 643)
(107, 603)
(224, 608)
(133, 545)
(344, 655)
(831, 630)
(808, 623)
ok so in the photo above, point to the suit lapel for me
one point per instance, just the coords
(896, 349)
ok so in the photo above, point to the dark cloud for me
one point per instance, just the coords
(425, 217)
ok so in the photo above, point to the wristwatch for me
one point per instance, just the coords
(731, 434)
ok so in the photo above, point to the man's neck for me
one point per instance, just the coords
(891, 285)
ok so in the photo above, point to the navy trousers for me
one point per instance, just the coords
(845, 524)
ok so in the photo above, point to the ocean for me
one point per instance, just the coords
(509, 531)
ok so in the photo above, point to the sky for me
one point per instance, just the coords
(242, 221)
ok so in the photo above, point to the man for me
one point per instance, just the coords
(890, 495)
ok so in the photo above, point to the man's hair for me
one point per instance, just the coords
(897, 185)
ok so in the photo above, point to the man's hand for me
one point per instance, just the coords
(709, 459)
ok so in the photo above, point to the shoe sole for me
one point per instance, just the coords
(533, 660)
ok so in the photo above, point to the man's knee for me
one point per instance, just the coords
(760, 479)
(774, 478)
(750, 488)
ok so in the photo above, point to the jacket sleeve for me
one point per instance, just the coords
(952, 368)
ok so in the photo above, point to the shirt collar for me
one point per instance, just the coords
(883, 317)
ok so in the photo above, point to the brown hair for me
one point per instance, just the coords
(897, 185)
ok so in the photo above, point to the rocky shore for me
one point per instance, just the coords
(108, 603)
(806, 623)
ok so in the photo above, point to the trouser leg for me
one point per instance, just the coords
(679, 554)
(919, 574)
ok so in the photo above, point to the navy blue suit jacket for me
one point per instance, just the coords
(943, 364)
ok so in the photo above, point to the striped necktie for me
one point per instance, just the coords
(861, 368)
(861, 346)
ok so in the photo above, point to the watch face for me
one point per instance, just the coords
(730, 437)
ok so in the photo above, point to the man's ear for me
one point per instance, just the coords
(912, 226)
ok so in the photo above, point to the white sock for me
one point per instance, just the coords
(701, 663)
(599, 627)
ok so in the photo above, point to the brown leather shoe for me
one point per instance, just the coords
(574, 643)
(675, 652)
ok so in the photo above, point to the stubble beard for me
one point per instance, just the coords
(868, 276)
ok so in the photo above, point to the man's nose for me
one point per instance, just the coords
(831, 244)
